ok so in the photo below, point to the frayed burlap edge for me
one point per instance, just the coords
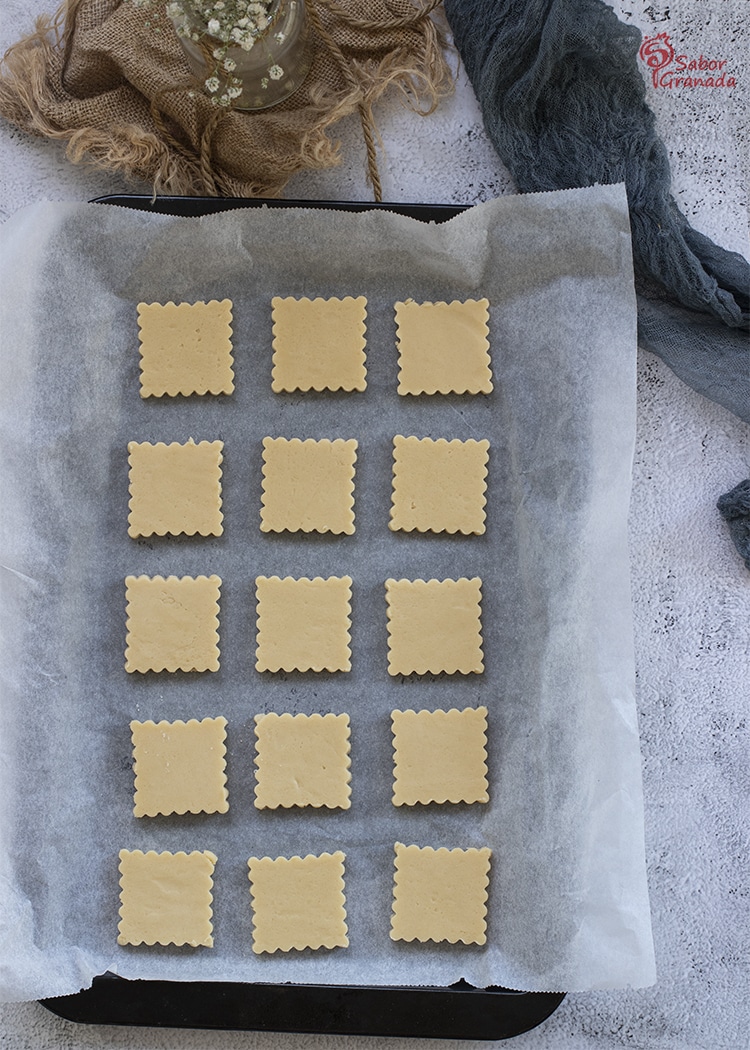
(31, 75)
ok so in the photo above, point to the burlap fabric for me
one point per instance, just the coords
(112, 80)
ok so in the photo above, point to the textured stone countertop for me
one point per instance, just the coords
(691, 591)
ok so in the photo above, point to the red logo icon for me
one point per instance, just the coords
(657, 52)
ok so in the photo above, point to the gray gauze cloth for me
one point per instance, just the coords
(564, 104)
(734, 507)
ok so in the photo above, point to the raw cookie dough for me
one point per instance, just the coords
(302, 760)
(439, 486)
(166, 898)
(180, 767)
(440, 756)
(175, 488)
(440, 894)
(186, 348)
(172, 623)
(318, 344)
(434, 626)
(303, 624)
(308, 486)
(443, 348)
(298, 902)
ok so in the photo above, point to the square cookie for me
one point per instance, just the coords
(308, 486)
(318, 344)
(440, 894)
(443, 348)
(298, 902)
(434, 626)
(302, 760)
(440, 756)
(180, 767)
(303, 624)
(186, 348)
(439, 486)
(166, 898)
(172, 623)
(175, 489)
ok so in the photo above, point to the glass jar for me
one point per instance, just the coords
(270, 71)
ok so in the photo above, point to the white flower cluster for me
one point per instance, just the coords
(238, 22)
(228, 24)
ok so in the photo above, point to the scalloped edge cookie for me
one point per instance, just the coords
(439, 485)
(166, 898)
(308, 485)
(319, 344)
(302, 760)
(185, 348)
(303, 624)
(434, 626)
(439, 756)
(179, 767)
(175, 489)
(443, 348)
(172, 623)
(440, 894)
(298, 902)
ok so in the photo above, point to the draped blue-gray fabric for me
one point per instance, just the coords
(734, 507)
(564, 104)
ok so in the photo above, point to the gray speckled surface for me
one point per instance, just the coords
(691, 592)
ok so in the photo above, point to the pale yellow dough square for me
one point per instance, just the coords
(440, 756)
(440, 894)
(186, 348)
(172, 623)
(302, 760)
(303, 624)
(434, 626)
(166, 898)
(298, 902)
(180, 767)
(175, 488)
(443, 348)
(308, 486)
(439, 486)
(318, 344)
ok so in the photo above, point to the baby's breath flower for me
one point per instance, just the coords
(231, 24)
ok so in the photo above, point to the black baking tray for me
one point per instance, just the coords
(191, 207)
(457, 1012)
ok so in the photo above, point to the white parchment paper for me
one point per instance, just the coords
(568, 904)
